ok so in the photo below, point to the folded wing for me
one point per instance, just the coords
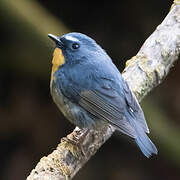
(108, 106)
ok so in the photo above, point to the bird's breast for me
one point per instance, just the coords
(57, 61)
(64, 104)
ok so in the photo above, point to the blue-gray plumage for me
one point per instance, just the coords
(88, 88)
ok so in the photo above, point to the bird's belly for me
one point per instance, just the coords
(73, 112)
(65, 106)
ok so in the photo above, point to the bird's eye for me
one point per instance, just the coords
(75, 46)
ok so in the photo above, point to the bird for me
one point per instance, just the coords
(89, 90)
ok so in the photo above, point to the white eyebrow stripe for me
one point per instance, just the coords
(71, 38)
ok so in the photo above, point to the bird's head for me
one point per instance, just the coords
(74, 47)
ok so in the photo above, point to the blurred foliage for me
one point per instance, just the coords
(31, 125)
(28, 30)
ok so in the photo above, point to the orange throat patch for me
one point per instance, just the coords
(57, 61)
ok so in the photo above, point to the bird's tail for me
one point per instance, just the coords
(142, 140)
(146, 145)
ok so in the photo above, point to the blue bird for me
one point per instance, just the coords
(90, 91)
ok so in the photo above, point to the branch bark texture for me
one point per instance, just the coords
(143, 72)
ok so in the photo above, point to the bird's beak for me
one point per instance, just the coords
(57, 40)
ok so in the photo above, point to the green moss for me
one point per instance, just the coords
(130, 61)
(176, 2)
(74, 149)
(144, 60)
(159, 71)
(143, 92)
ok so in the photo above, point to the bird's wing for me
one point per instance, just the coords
(108, 106)
(134, 105)
(102, 93)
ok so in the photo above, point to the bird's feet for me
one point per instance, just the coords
(76, 140)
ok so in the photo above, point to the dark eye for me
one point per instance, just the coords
(75, 46)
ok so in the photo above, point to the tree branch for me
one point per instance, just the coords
(143, 72)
